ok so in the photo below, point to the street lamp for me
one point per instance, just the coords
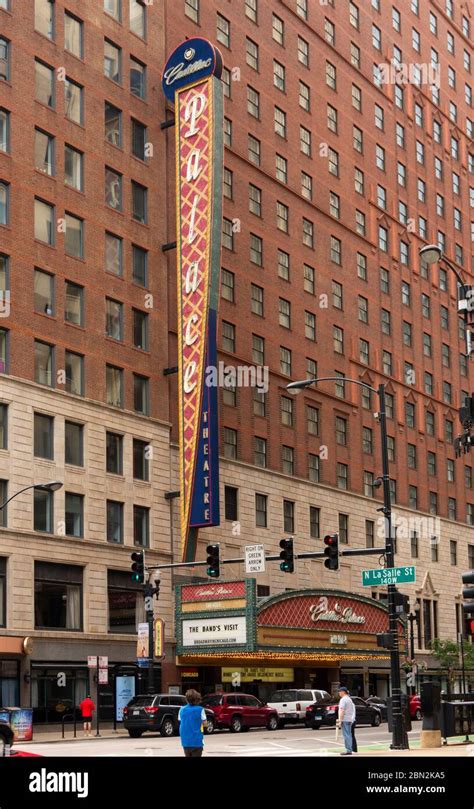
(432, 254)
(52, 486)
(399, 735)
(413, 618)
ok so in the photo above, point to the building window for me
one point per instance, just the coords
(414, 545)
(44, 292)
(114, 8)
(74, 373)
(314, 522)
(114, 385)
(113, 319)
(74, 515)
(313, 468)
(113, 189)
(261, 510)
(44, 77)
(369, 534)
(139, 202)
(230, 502)
(287, 460)
(258, 349)
(3, 427)
(43, 436)
(286, 409)
(58, 596)
(191, 9)
(285, 361)
(453, 552)
(43, 510)
(141, 394)
(260, 452)
(253, 102)
(113, 124)
(44, 354)
(228, 336)
(137, 78)
(73, 35)
(115, 522)
(73, 101)
(253, 150)
(112, 61)
(44, 152)
(140, 265)
(74, 439)
(44, 220)
(230, 443)
(280, 122)
(73, 168)
(138, 18)
(343, 520)
(113, 254)
(336, 250)
(74, 236)
(140, 329)
(141, 452)
(303, 51)
(342, 474)
(256, 250)
(74, 304)
(125, 603)
(288, 516)
(114, 453)
(141, 526)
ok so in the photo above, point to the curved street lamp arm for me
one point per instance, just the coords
(455, 271)
(343, 379)
(16, 495)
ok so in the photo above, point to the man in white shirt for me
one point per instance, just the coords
(346, 717)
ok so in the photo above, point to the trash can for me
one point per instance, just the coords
(405, 713)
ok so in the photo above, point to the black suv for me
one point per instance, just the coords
(159, 713)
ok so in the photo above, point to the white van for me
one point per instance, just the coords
(291, 703)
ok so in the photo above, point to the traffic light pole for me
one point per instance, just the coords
(399, 734)
(151, 640)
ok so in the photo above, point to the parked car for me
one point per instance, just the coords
(291, 703)
(381, 704)
(414, 704)
(239, 712)
(326, 713)
(158, 713)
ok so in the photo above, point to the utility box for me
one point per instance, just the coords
(457, 718)
(431, 705)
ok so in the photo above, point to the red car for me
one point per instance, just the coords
(414, 704)
(239, 712)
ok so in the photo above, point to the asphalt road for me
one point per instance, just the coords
(290, 741)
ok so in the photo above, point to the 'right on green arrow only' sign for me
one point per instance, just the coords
(388, 575)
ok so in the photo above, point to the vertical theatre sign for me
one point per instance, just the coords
(191, 81)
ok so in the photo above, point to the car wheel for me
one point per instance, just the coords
(376, 721)
(167, 728)
(210, 727)
(418, 714)
(273, 723)
(236, 724)
(315, 727)
(135, 734)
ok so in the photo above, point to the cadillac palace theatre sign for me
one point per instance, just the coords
(191, 81)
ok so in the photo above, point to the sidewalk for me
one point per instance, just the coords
(53, 733)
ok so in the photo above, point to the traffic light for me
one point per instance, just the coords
(468, 592)
(385, 640)
(331, 551)
(287, 564)
(214, 561)
(138, 567)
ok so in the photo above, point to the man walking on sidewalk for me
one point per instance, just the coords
(192, 721)
(346, 718)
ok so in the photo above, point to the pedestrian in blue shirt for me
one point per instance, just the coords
(192, 721)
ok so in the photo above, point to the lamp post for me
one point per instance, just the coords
(432, 254)
(399, 734)
(52, 486)
(413, 618)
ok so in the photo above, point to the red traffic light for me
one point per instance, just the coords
(330, 540)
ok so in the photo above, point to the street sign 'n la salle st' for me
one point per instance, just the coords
(389, 575)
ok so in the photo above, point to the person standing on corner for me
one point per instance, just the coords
(346, 719)
(87, 708)
(192, 721)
